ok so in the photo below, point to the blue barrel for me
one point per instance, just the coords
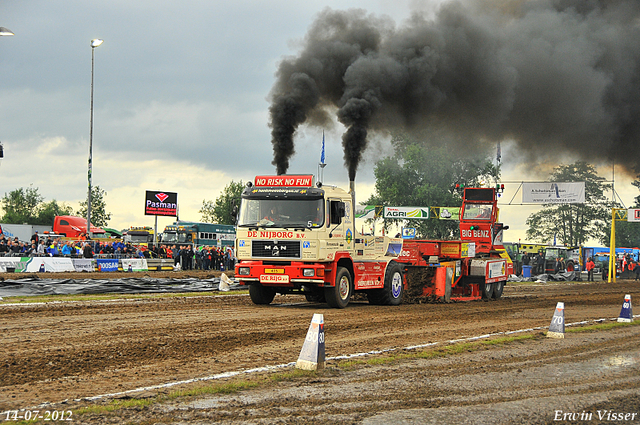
(526, 271)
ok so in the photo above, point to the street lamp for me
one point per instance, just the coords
(94, 43)
(5, 31)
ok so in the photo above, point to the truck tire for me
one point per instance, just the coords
(487, 291)
(498, 287)
(260, 294)
(570, 266)
(338, 296)
(393, 290)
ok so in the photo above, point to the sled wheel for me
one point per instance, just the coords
(487, 291)
(498, 287)
(260, 294)
(338, 296)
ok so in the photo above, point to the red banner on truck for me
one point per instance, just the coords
(284, 181)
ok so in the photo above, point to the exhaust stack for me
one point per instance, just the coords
(352, 191)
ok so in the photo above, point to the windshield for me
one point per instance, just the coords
(477, 211)
(169, 237)
(308, 213)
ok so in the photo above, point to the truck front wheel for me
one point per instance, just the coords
(338, 296)
(260, 294)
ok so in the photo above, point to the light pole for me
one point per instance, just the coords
(4, 31)
(94, 43)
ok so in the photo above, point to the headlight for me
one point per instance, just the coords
(308, 272)
(243, 271)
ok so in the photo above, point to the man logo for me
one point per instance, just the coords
(161, 196)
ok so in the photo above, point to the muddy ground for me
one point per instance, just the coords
(74, 350)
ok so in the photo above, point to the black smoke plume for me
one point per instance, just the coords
(558, 77)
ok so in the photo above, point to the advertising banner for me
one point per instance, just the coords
(161, 203)
(36, 264)
(633, 214)
(83, 264)
(445, 213)
(134, 265)
(107, 264)
(406, 213)
(553, 193)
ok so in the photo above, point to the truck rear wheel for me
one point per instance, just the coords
(498, 287)
(260, 294)
(487, 291)
(338, 296)
(393, 290)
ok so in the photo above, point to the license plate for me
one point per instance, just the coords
(274, 278)
(274, 271)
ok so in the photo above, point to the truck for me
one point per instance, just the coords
(23, 231)
(294, 236)
(72, 226)
(198, 234)
(139, 235)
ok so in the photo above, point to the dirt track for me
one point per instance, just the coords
(54, 352)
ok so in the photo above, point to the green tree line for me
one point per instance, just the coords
(28, 206)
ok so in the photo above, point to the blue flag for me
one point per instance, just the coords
(322, 154)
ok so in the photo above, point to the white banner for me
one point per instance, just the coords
(553, 193)
(83, 264)
(36, 264)
(633, 214)
(11, 262)
(134, 265)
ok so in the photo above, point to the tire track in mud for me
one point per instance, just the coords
(74, 350)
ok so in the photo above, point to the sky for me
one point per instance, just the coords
(181, 103)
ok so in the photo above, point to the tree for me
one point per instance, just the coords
(48, 210)
(221, 210)
(21, 206)
(423, 173)
(573, 224)
(99, 216)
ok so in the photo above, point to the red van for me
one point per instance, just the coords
(72, 227)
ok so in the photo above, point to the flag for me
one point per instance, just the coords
(322, 154)
(498, 153)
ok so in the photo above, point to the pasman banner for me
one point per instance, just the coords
(553, 193)
(161, 203)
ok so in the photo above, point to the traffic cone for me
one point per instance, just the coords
(312, 353)
(556, 329)
(626, 314)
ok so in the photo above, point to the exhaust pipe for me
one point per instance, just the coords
(352, 191)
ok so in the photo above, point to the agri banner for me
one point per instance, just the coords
(134, 265)
(107, 265)
(406, 213)
(83, 264)
(445, 213)
(161, 203)
(553, 193)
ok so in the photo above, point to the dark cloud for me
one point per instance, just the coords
(558, 77)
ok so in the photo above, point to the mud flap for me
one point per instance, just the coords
(444, 280)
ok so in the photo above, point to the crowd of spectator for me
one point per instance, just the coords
(188, 257)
